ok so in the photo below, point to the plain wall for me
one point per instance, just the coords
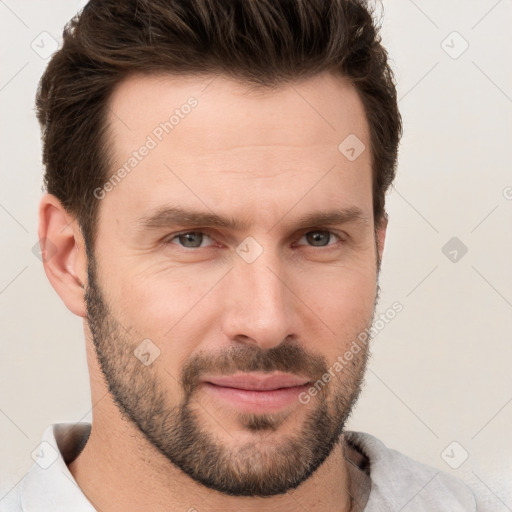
(440, 370)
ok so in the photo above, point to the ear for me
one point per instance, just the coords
(63, 253)
(380, 231)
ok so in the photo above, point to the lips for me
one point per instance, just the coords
(257, 382)
(257, 393)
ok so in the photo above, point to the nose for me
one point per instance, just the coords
(259, 303)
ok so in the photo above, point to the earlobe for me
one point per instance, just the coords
(63, 253)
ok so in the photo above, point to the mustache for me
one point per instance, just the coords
(289, 358)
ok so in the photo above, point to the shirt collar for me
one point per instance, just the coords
(49, 485)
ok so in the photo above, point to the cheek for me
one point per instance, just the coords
(171, 310)
(158, 300)
(344, 301)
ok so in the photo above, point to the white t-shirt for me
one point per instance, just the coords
(396, 482)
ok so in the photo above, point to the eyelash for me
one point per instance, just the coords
(168, 240)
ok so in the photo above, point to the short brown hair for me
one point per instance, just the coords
(264, 43)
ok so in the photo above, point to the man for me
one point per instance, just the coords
(216, 174)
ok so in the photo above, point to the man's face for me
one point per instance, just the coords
(233, 323)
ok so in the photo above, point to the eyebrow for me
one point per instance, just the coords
(167, 217)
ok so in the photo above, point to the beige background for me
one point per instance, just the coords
(441, 369)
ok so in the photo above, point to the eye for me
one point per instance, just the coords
(189, 239)
(320, 238)
(198, 239)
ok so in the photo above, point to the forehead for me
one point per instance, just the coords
(321, 109)
(190, 138)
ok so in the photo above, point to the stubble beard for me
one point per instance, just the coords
(269, 465)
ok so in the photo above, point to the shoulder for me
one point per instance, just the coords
(397, 481)
(49, 485)
(11, 502)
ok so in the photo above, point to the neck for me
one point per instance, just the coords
(118, 457)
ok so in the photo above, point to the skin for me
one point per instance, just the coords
(264, 158)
